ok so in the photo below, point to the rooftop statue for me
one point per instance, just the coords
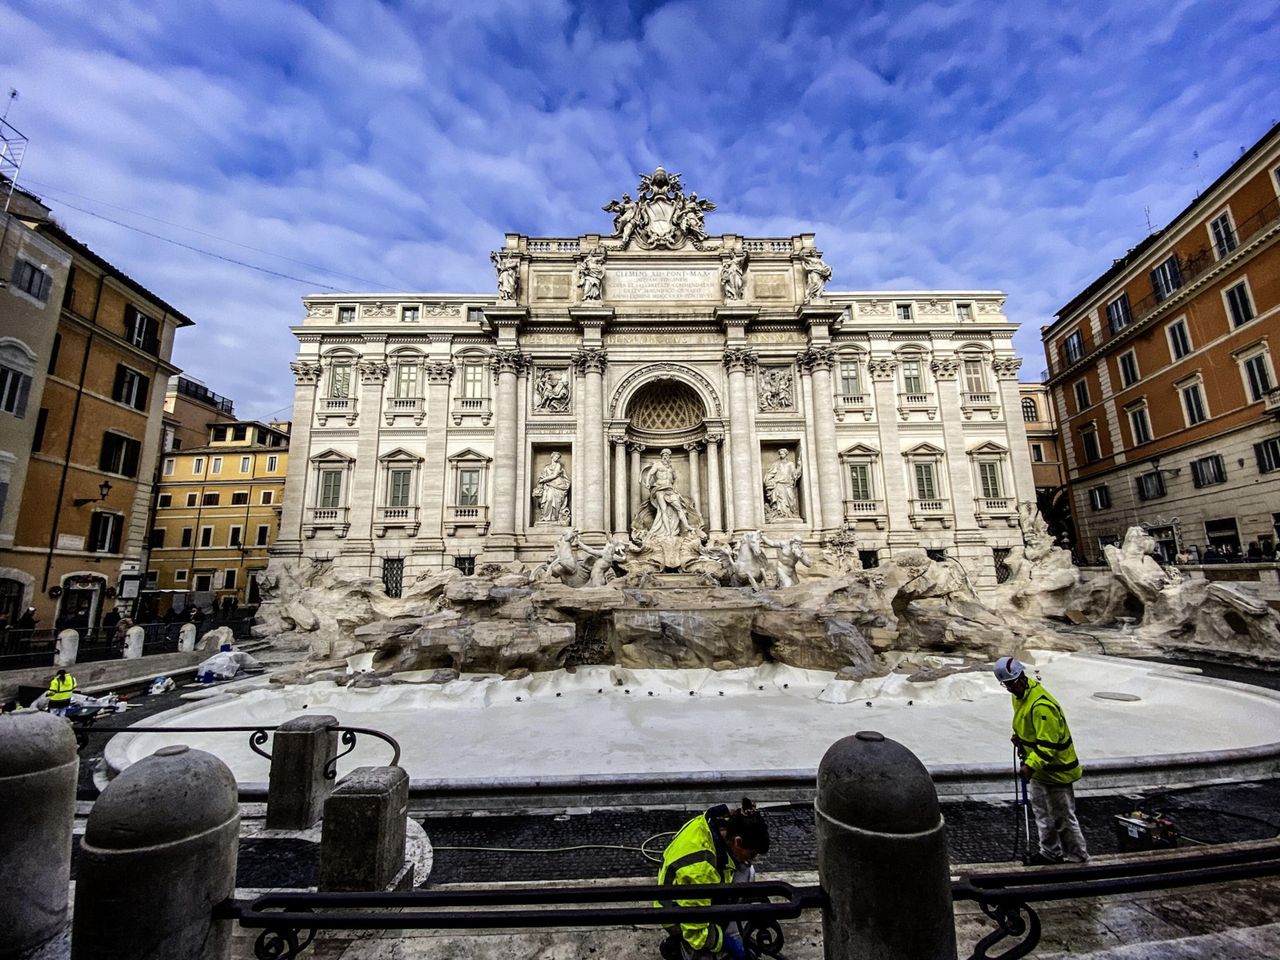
(661, 217)
(508, 266)
(816, 275)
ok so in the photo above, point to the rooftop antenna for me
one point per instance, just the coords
(1195, 162)
(13, 147)
(1147, 211)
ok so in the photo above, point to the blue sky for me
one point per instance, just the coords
(365, 145)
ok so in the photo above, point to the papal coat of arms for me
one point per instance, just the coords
(662, 217)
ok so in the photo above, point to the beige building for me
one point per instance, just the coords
(1048, 469)
(217, 513)
(438, 429)
(83, 517)
(190, 410)
(1163, 375)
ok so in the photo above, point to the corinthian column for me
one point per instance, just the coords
(591, 361)
(506, 364)
(695, 478)
(619, 484)
(716, 523)
(963, 505)
(743, 493)
(438, 373)
(1006, 370)
(289, 540)
(364, 480)
(818, 361)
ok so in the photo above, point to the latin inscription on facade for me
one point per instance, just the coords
(624, 283)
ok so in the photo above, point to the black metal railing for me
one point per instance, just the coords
(1007, 897)
(258, 735)
(289, 921)
(26, 648)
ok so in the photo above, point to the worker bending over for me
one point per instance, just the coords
(715, 847)
(60, 689)
(1048, 762)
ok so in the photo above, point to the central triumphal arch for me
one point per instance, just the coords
(660, 388)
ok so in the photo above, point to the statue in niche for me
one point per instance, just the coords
(782, 501)
(733, 275)
(790, 553)
(591, 275)
(551, 392)
(670, 519)
(508, 266)
(816, 275)
(775, 389)
(552, 492)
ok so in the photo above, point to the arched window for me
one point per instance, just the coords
(1029, 411)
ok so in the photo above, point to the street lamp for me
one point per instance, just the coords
(104, 488)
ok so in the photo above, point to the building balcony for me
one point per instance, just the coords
(336, 519)
(472, 406)
(971, 403)
(854, 403)
(867, 511)
(395, 518)
(909, 403)
(987, 509)
(1271, 401)
(405, 407)
(343, 407)
(922, 510)
(475, 517)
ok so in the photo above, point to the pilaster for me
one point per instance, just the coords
(818, 360)
(946, 375)
(363, 494)
(737, 361)
(1024, 483)
(438, 375)
(501, 545)
(306, 377)
(884, 376)
(714, 496)
(592, 360)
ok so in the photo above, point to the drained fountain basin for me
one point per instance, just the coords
(772, 724)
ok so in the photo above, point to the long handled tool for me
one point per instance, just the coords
(1026, 818)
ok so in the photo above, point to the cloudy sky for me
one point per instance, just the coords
(356, 145)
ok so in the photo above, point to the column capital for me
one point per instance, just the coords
(882, 368)
(306, 373)
(439, 371)
(635, 446)
(739, 359)
(590, 360)
(945, 368)
(507, 361)
(373, 371)
(618, 439)
(818, 358)
(1007, 367)
(714, 438)
(693, 446)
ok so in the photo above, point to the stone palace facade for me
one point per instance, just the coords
(657, 377)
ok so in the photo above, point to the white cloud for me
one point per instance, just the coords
(957, 144)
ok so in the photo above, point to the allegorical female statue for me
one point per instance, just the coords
(780, 484)
(552, 492)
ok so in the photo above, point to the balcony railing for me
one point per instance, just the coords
(405, 407)
(853, 402)
(389, 518)
(327, 518)
(907, 402)
(456, 516)
(972, 402)
(922, 510)
(472, 406)
(344, 407)
(866, 510)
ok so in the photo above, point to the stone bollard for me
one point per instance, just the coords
(187, 638)
(363, 839)
(38, 773)
(133, 640)
(67, 648)
(882, 854)
(158, 854)
(300, 752)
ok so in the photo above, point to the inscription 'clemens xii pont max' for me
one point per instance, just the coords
(668, 284)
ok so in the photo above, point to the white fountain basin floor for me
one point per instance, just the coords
(769, 718)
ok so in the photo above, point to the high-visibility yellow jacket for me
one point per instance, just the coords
(60, 689)
(697, 855)
(1043, 734)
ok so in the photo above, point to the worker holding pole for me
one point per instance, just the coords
(1049, 765)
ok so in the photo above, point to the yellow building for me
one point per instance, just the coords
(217, 514)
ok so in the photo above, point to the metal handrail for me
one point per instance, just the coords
(261, 734)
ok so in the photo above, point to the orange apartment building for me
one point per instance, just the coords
(1048, 469)
(1162, 373)
(84, 515)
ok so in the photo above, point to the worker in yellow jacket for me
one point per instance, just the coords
(60, 689)
(1049, 764)
(714, 847)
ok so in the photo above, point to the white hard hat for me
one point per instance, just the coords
(1008, 669)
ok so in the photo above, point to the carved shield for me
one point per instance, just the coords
(660, 212)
